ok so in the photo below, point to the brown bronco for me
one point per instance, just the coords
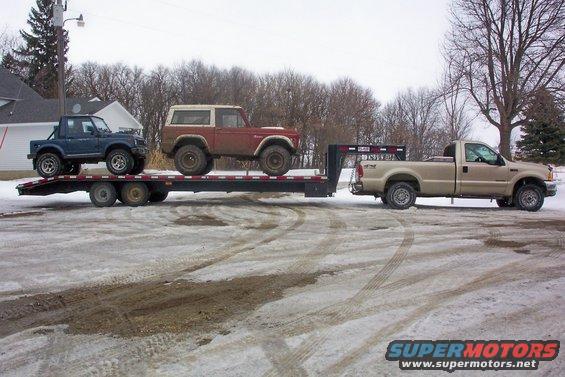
(194, 135)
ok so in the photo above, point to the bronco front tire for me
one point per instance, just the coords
(49, 165)
(401, 195)
(190, 160)
(275, 160)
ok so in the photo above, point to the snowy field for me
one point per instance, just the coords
(248, 284)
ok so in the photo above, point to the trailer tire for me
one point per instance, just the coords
(138, 166)
(103, 194)
(119, 162)
(135, 194)
(401, 195)
(49, 165)
(190, 160)
(529, 198)
(158, 196)
(275, 160)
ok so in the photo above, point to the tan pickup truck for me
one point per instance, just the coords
(467, 169)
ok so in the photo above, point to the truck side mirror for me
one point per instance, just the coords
(499, 160)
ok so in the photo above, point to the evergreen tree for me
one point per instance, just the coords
(39, 53)
(544, 133)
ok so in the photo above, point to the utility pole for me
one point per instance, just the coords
(58, 23)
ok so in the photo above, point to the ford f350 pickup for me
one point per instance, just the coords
(467, 169)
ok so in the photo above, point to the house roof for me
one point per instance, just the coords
(46, 110)
(11, 87)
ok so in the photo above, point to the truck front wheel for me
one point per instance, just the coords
(103, 194)
(275, 160)
(190, 160)
(401, 195)
(529, 198)
(49, 165)
(119, 162)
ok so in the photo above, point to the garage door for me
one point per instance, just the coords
(14, 145)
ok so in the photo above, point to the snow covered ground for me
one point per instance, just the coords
(247, 284)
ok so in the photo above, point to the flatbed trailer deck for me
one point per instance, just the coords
(138, 189)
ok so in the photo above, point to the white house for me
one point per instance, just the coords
(26, 116)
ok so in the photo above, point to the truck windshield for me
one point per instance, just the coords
(101, 125)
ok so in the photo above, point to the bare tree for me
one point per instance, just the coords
(504, 51)
(454, 107)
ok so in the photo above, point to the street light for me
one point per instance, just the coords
(59, 23)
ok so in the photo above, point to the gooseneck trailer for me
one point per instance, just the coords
(135, 190)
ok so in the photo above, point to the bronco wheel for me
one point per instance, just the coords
(135, 194)
(401, 195)
(504, 203)
(49, 165)
(529, 198)
(209, 167)
(275, 160)
(190, 160)
(103, 194)
(158, 196)
(138, 166)
(119, 162)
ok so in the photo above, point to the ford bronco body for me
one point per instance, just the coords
(467, 169)
(194, 135)
(87, 139)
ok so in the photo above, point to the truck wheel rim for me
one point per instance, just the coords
(275, 161)
(48, 165)
(189, 160)
(101, 195)
(118, 162)
(401, 196)
(529, 198)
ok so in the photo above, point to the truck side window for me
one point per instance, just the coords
(228, 118)
(80, 128)
(480, 153)
(191, 117)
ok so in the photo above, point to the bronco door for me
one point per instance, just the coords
(481, 171)
(232, 137)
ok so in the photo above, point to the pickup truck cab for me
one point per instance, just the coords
(194, 135)
(82, 139)
(467, 169)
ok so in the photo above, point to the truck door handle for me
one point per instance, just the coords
(465, 169)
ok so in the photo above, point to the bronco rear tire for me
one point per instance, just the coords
(119, 162)
(529, 198)
(190, 160)
(49, 165)
(275, 160)
(135, 194)
(401, 195)
(103, 194)
(209, 166)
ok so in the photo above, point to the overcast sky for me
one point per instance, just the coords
(387, 45)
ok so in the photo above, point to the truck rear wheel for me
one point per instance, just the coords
(49, 165)
(103, 194)
(190, 160)
(119, 162)
(275, 160)
(401, 195)
(135, 194)
(529, 198)
(504, 203)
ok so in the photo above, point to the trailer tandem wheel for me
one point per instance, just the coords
(135, 194)
(103, 194)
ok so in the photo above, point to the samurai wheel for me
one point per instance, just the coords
(49, 165)
(135, 194)
(103, 194)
